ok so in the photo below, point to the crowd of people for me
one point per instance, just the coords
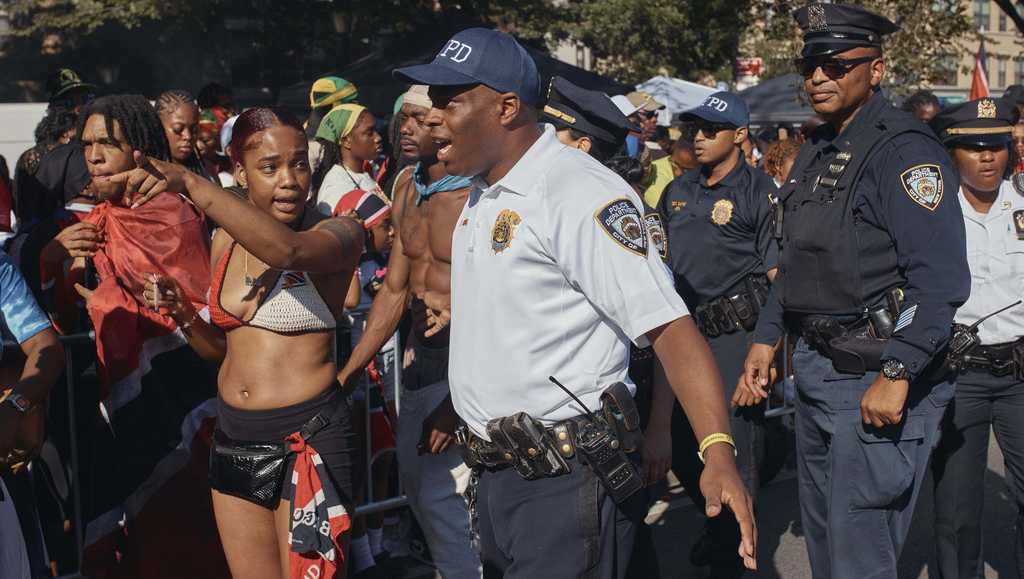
(546, 271)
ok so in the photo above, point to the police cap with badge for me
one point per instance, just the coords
(588, 111)
(833, 28)
(983, 122)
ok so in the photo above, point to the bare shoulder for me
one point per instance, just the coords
(400, 192)
(219, 244)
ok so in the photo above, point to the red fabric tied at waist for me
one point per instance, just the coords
(319, 519)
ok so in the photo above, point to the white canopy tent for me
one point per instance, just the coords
(677, 94)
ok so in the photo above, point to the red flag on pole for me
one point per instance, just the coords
(979, 82)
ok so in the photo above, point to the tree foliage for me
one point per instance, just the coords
(631, 39)
(931, 38)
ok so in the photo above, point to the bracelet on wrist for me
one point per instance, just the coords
(712, 439)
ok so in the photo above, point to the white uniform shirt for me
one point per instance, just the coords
(540, 287)
(995, 255)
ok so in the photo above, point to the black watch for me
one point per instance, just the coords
(893, 369)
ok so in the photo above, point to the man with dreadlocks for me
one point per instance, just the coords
(156, 393)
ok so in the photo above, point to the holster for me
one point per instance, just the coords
(1018, 360)
(857, 353)
(532, 449)
(620, 411)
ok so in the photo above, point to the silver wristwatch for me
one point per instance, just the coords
(18, 401)
(893, 369)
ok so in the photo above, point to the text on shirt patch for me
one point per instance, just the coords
(504, 230)
(622, 222)
(721, 212)
(657, 231)
(1018, 223)
(923, 183)
(678, 205)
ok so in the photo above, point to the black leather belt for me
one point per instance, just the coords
(996, 359)
(493, 456)
(737, 309)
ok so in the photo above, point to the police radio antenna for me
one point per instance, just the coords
(573, 396)
(995, 313)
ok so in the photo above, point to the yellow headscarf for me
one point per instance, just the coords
(339, 121)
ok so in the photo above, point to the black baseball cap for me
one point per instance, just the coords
(589, 111)
(480, 56)
(983, 122)
(832, 28)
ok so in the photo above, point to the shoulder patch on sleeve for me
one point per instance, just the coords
(657, 230)
(621, 220)
(923, 184)
(1018, 183)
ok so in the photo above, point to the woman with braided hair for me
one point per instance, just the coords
(179, 115)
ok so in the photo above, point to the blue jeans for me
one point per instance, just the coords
(434, 483)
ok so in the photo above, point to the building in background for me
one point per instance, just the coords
(1004, 48)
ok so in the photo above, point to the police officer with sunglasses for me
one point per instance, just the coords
(872, 268)
(718, 219)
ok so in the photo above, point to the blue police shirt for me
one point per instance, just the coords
(720, 234)
(928, 238)
(22, 317)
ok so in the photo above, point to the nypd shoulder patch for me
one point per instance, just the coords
(923, 183)
(621, 220)
(657, 231)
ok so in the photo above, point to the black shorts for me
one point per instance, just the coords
(335, 442)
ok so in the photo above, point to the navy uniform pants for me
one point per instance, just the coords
(565, 527)
(858, 484)
(982, 401)
(746, 424)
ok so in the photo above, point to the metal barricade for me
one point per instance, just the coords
(370, 506)
(785, 388)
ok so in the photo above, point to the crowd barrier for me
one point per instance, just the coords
(371, 505)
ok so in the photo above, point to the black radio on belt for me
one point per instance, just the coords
(965, 339)
(601, 449)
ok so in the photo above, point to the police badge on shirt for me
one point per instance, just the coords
(923, 183)
(621, 220)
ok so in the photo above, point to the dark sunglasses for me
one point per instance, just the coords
(832, 67)
(689, 129)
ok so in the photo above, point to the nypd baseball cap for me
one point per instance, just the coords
(721, 107)
(480, 56)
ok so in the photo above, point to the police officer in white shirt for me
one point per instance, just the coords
(553, 274)
(990, 385)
